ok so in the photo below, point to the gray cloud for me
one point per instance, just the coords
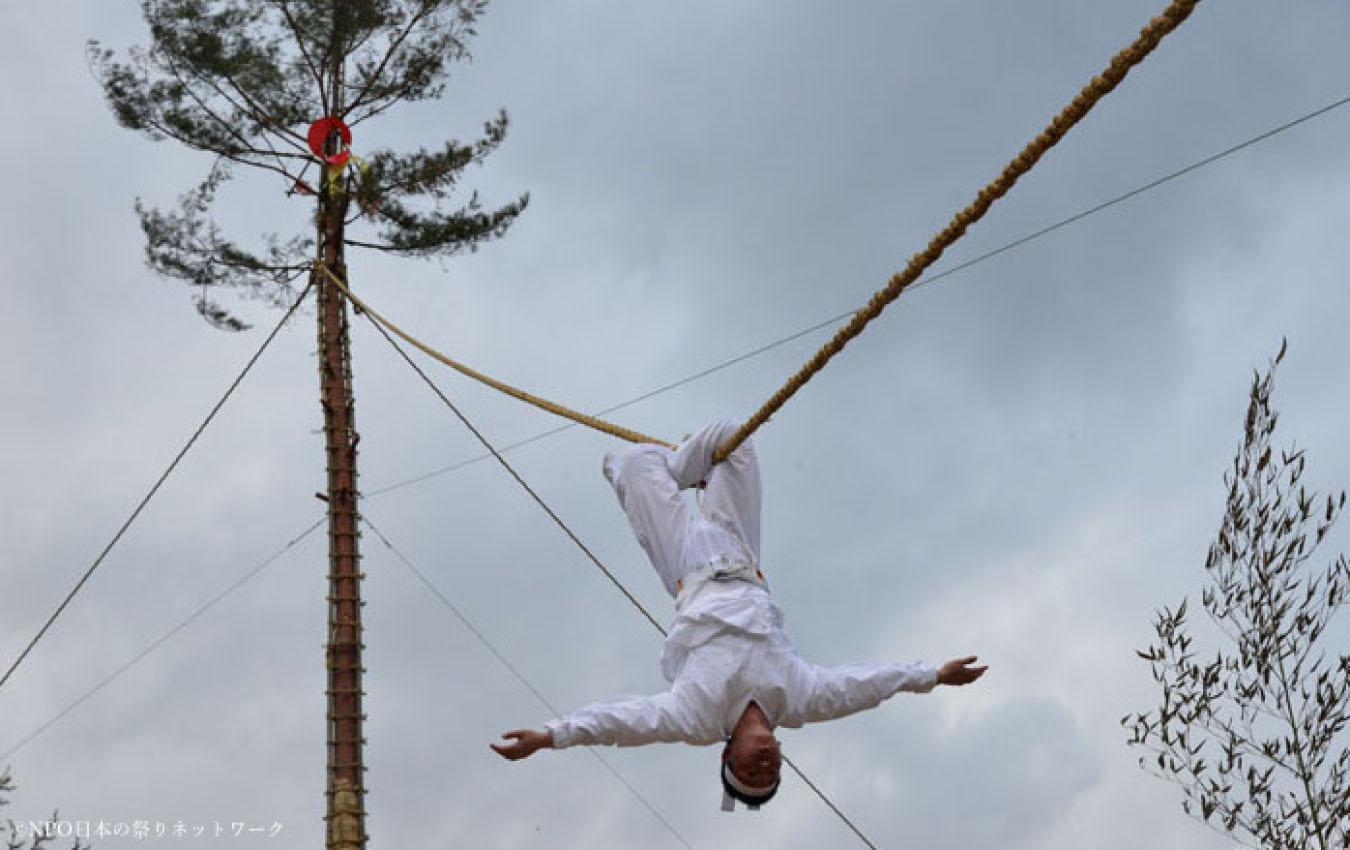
(1021, 460)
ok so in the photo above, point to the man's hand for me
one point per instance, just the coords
(524, 743)
(959, 671)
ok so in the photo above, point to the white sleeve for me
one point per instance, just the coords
(631, 721)
(826, 693)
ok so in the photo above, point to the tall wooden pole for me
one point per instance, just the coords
(346, 769)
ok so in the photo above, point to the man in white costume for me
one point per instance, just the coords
(734, 674)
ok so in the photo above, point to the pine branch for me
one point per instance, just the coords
(244, 146)
(374, 246)
(304, 53)
(394, 45)
(264, 119)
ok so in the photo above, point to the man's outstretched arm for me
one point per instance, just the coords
(524, 743)
(628, 721)
(832, 692)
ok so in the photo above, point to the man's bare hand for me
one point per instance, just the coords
(960, 671)
(524, 743)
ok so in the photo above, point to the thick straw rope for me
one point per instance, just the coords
(598, 424)
(1094, 91)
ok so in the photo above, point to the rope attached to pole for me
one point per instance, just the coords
(1099, 87)
(541, 403)
(589, 554)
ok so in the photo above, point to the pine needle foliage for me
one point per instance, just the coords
(242, 80)
(1255, 736)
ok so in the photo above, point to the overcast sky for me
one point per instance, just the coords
(1022, 460)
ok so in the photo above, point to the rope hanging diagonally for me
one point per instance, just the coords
(1095, 90)
(542, 403)
(520, 677)
(511, 470)
(1121, 64)
(155, 488)
(162, 639)
(936, 277)
(590, 555)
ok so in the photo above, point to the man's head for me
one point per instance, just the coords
(750, 767)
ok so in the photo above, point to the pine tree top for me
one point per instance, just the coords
(244, 80)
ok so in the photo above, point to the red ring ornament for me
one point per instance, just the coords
(319, 132)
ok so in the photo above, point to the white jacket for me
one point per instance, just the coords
(726, 647)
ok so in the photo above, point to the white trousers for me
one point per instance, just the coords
(720, 527)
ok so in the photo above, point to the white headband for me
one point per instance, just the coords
(729, 802)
